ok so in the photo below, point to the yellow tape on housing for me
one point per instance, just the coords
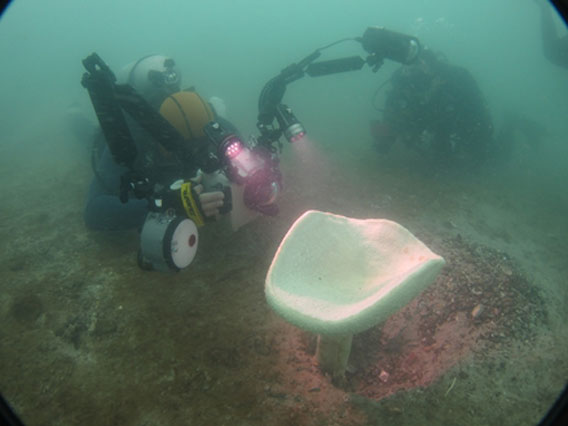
(190, 205)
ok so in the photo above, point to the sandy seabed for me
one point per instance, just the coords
(88, 338)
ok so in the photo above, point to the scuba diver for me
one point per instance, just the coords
(158, 80)
(555, 48)
(166, 162)
(436, 109)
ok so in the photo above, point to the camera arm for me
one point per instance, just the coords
(273, 91)
(379, 42)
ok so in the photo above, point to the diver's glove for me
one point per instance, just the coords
(188, 198)
(211, 203)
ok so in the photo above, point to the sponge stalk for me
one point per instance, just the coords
(333, 353)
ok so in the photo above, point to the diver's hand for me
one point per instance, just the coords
(210, 202)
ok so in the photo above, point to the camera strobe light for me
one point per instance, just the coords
(232, 148)
(386, 44)
(252, 168)
(293, 129)
(294, 132)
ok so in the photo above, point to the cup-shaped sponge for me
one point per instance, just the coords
(335, 275)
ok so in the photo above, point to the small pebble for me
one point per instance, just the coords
(477, 311)
(506, 269)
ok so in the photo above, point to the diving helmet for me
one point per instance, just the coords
(155, 77)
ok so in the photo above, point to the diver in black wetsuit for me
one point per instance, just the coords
(436, 109)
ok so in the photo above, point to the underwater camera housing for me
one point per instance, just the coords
(255, 168)
(168, 242)
(169, 235)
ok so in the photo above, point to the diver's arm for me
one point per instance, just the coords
(104, 211)
(555, 49)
